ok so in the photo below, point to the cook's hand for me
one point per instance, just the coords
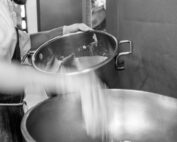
(75, 27)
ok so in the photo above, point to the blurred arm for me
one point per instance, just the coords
(41, 37)
(14, 78)
(38, 39)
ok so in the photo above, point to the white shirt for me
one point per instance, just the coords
(8, 37)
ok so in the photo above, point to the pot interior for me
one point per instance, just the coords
(134, 116)
(80, 51)
(50, 122)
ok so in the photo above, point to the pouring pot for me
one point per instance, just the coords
(94, 51)
(134, 116)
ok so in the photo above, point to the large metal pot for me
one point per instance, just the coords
(134, 116)
(95, 50)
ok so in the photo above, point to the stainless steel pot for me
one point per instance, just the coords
(97, 51)
(134, 116)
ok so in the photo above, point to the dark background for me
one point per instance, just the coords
(150, 24)
(54, 13)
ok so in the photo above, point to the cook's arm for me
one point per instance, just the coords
(14, 78)
(39, 38)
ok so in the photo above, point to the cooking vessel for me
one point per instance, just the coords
(134, 116)
(95, 50)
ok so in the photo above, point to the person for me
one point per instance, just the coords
(91, 94)
(14, 44)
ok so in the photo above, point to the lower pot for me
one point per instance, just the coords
(134, 116)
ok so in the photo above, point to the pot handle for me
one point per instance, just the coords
(28, 56)
(120, 64)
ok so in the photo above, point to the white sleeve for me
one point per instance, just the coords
(24, 42)
(8, 35)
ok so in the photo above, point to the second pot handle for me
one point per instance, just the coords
(120, 64)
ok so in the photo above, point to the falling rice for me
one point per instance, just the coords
(93, 102)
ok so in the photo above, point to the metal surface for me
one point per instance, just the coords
(130, 51)
(91, 45)
(13, 104)
(81, 44)
(87, 12)
(134, 116)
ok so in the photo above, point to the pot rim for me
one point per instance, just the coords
(25, 133)
(92, 68)
(23, 127)
(25, 118)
